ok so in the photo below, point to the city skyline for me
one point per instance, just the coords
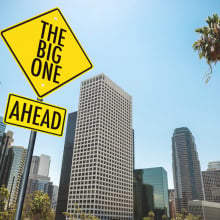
(146, 48)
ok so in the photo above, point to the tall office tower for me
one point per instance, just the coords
(157, 179)
(101, 180)
(211, 182)
(2, 129)
(66, 167)
(14, 170)
(214, 165)
(186, 168)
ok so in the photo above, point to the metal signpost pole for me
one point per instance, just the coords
(25, 175)
(26, 172)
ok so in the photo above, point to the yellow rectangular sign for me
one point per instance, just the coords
(34, 115)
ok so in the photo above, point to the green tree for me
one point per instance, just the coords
(5, 214)
(4, 194)
(79, 214)
(37, 207)
(208, 46)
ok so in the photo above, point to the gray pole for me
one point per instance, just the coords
(25, 176)
(26, 172)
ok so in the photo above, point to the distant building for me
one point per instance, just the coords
(66, 167)
(143, 196)
(211, 182)
(7, 140)
(38, 177)
(44, 165)
(14, 170)
(171, 193)
(186, 168)
(214, 165)
(101, 181)
(207, 210)
(34, 166)
(157, 179)
(54, 197)
(2, 129)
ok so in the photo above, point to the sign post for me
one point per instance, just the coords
(50, 56)
(25, 176)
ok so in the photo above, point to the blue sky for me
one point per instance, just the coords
(145, 46)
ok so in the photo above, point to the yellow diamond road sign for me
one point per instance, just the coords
(47, 51)
(35, 115)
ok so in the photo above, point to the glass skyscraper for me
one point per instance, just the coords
(14, 167)
(154, 181)
(186, 168)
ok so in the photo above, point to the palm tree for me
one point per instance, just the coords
(208, 46)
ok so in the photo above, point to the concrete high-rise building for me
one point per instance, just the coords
(186, 168)
(14, 170)
(38, 177)
(156, 178)
(66, 167)
(211, 182)
(34, 165)
(101, 180)
(44, 165)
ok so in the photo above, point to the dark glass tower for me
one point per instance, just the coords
(66, 167)
(186, 168)
(150, 192)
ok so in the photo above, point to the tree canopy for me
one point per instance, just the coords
(208, 46)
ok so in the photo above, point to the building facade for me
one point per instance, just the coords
(66, 167)
(44, 165)
(14, 170)
(54, 197)
(38, 176)
(171, 193)
(2, 129)
(186, 168)
(101, 180)
(4, 150)
(157, 179)
(207, 210)
(211, 182)
(143, 196)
